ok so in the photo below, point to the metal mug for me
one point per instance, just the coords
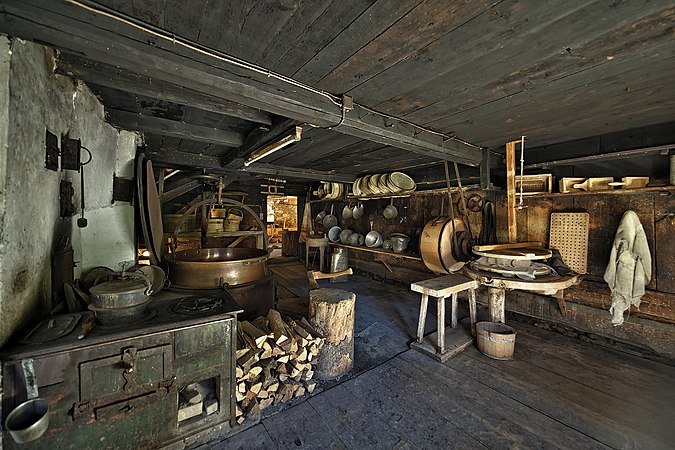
(28, 421)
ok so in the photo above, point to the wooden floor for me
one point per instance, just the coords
(558, 392)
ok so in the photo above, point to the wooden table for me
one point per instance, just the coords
(497, 285)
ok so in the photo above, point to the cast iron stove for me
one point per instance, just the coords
(122, 385)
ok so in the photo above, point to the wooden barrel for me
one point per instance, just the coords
(496, 340)
(436, 245)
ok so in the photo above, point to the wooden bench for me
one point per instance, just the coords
(440, 288)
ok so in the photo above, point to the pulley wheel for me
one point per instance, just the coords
(475, 203)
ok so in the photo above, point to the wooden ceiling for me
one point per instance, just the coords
(485, 71)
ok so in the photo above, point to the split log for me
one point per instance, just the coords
(278, 327)
(258, 336)
(331, 313)
(273, 362)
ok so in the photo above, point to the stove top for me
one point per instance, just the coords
(197, 305)
(166, 311)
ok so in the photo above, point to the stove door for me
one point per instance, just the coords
(130, 372)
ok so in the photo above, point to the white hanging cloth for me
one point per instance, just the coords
(630, 266)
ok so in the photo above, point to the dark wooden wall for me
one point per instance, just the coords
(655, 209)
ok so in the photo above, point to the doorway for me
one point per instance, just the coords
(282, 221)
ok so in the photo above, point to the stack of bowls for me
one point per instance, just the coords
(380, 185)
(330, 191)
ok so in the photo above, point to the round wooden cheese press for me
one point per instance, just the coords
(499, 279)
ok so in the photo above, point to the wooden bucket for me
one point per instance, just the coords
(496, 340)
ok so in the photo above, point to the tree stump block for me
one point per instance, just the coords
(331, 313)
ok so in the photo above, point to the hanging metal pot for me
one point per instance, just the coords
(390, 212)
(357, 213)
(334, 234)
(347, 212)
(330, 220)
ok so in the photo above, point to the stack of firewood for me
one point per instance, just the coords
(274, 362)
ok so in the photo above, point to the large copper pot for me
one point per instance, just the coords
(436, 244)
(210, 268)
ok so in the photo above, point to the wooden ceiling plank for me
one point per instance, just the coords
(138, 122)
(57, 23)
(123, 6)
(458, 59)
(621, 113)
(429, 21)
(328, 25)
(236, 27)
(307, 12)
(555, 97)
(123, 80)
(184, 17)
(150, 11)
(590, 47)
(370, 24)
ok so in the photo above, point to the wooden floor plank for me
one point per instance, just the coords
(301, 427)
(609, 379)
(254, 438)
(357, 425)
(559, 392)
(392, 404)
(542, 394)
(489, 416)
(627, 366)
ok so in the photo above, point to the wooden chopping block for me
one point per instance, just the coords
(331, 313)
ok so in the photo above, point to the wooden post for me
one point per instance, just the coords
(454, 309)
(423, 317)
(441, 324)
(511, 189)
(472, 310)
(496, 298)
(331, 313)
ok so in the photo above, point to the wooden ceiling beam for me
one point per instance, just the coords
(139, 122)
(104, 38)
(293, 172)
(123, 80)
(213, 164)
(180, 190)
(258, 138)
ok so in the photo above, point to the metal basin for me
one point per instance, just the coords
(209, 268)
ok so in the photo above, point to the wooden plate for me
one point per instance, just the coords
(531, 254)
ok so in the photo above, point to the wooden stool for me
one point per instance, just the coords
(441, 287)
(321, 244)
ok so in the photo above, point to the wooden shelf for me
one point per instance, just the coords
(653, 189)
(380, 251)
(378, 197)
(218, 234)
